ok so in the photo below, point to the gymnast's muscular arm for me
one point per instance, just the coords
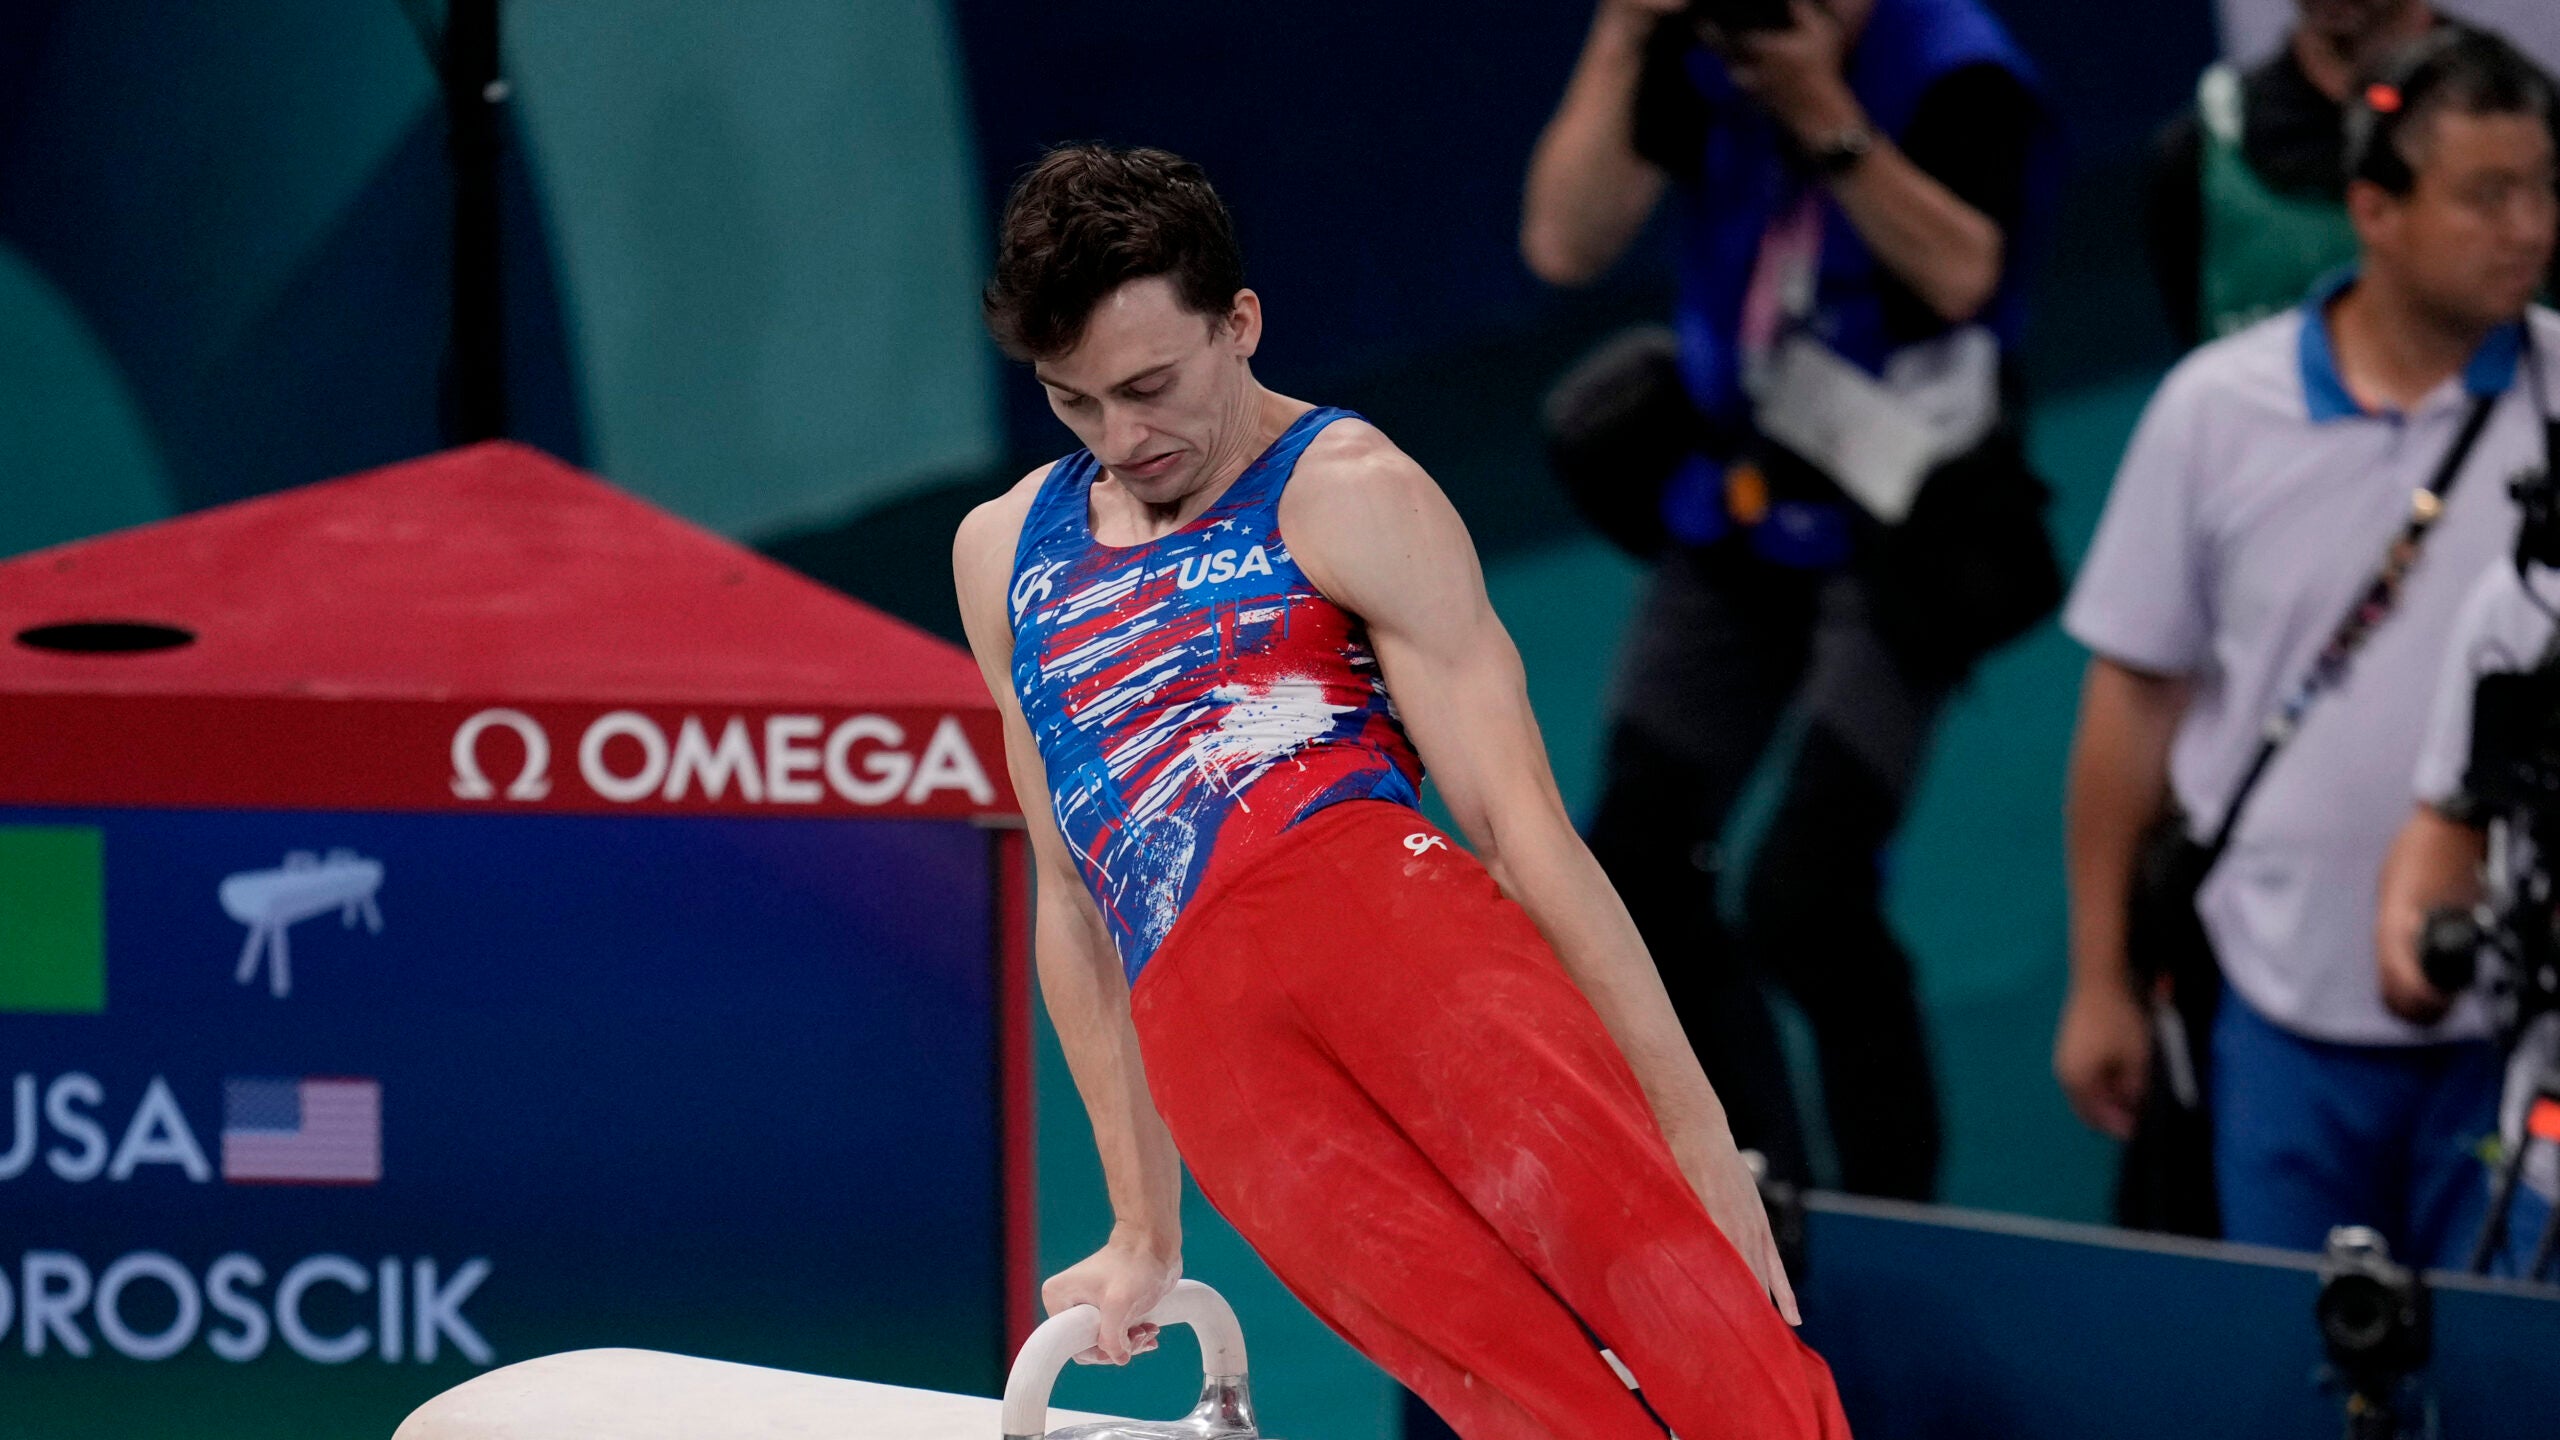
(1377, 536)
(1081, 979)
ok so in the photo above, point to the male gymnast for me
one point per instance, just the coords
(1440, 1093)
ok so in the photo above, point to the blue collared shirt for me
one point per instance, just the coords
(2491, 371)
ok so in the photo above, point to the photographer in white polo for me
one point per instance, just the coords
(2273, 577)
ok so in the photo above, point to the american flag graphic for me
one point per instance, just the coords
(319, 1130)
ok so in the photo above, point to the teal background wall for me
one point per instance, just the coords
(741, 274)
(76, 456)
(246, 208)
(767, 221)
(164, 198)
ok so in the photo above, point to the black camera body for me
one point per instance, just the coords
(2513, 776)
(1741, 17)
(2514, 766)
(2513, 784)
(2537, 497)
(2376, 1324)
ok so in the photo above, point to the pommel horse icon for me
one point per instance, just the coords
(270, 901)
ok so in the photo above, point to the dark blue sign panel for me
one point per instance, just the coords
(1958, 1325)
(348, 1105)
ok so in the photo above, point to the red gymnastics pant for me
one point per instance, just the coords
(1379, 1073)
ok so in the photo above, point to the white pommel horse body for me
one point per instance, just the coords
(648, 1395)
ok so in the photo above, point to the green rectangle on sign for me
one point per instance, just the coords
(53, 919)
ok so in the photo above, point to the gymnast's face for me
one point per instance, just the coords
(1160, 393)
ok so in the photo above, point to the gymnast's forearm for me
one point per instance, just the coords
(1554, 877)
(1088, 1000)
(1465, 701)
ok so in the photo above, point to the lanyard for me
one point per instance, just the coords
(2373, 605)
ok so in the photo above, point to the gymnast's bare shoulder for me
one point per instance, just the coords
(982, 555)
(1369, 525)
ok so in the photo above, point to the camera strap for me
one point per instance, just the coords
(2374, 603)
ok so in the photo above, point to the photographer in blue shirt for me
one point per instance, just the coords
(1819, 458)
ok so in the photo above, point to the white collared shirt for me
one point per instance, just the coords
(2255, 503)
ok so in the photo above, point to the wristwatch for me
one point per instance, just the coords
(1840, 152)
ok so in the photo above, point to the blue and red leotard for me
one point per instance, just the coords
(1193, 694)
(1370, 1059)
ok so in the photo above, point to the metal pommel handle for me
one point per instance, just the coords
(1075, 1329)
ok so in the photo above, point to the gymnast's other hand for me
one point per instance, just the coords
(1716, 1170)
(1129, 1276)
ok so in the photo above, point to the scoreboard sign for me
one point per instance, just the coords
(356, 1036)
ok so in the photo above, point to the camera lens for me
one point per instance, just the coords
(2356, 1313)
(2449, 949)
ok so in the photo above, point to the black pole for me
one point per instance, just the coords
(475, 94)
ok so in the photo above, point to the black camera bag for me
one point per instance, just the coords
(1972, 567)
(2165, 1180)
(1618, 423)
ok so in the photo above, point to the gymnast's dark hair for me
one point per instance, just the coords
(2455, 69)
(1088, 219)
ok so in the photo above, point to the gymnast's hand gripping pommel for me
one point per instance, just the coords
(1225, 1411)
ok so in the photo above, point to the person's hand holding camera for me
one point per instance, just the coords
(1799, 73)
(2404, 983)
(1590, 190)
(2434, 865)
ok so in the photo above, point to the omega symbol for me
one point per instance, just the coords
(470, 782)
